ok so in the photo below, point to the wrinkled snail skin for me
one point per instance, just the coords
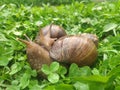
(37, 56)
(74, 49)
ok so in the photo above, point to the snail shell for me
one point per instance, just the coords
(54, 30)
(74, 49)
(47, 35)
(93, 37)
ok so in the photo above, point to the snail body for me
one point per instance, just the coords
(37, 55)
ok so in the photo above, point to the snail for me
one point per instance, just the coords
(48, 34)
(79, 49)
(37, 55)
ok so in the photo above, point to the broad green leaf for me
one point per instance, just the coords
(34, 85)
(62, 71)
(3, 6)
(81, 86)
(117, 88)
(114, 72)
(15, 68)
(15, 82)
(3, 38)
(64, 87)
(92, 78)
(109, 27)
(97, 86)
(95, 71)
(74, 70)
(5, 54)
(4, 60)
(85, 71)
(24, 81)
(54, 66)
(114, 61)
(45, 69)
(49, 88)
(12, 87)
(34, 73)
(53, 77)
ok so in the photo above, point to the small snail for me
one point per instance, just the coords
(48, 34)
(79, 49)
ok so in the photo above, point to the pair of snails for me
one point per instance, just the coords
(53, 44)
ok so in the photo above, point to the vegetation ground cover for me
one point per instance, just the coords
(101, 19)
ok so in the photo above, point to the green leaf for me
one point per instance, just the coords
(3, 38)
(6, 52)
(4, 60)
(114, 72)
(109, 27)
(49, 88)
(53, 77)
(62, 71)
(15, 82)
(117, 88)
(85, 71)
(12, 87)
(24, 81)
(114, 61)
(45, 69)
(74, 70)
(95, 71)
(34, 85)
(15, 68)
(97, 86)
(54, 66)
(81, 86)
(34, 73)
(92, 78)
(64, 87)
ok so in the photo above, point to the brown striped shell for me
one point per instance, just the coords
(74, 49)
(93, 37)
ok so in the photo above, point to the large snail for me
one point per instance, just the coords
(79, 49)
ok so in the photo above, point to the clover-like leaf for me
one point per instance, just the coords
(45, 69)
(54, 66)
(81, 86)
(53, 77)
(74, 70)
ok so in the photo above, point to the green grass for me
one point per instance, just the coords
(101, 19)
(39, 2)
(50, 2)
